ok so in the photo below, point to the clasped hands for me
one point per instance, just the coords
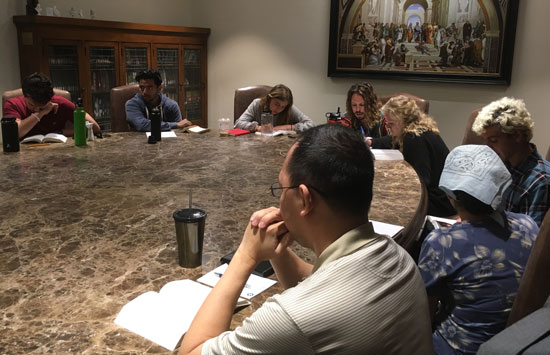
(266, 236)
(49, 107)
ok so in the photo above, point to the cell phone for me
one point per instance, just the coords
(264, 268)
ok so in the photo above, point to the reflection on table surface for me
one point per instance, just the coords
(86, 229)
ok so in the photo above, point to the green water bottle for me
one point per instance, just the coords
(79, 124)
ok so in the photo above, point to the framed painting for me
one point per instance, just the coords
(467, 41)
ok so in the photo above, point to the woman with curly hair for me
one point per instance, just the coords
(279, 102)
(417, 136)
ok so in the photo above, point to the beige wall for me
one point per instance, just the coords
(267, 42)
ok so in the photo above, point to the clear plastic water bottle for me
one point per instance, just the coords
(267, 123)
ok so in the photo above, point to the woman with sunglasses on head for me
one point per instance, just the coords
(279, 102)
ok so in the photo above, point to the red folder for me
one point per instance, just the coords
(238, 132)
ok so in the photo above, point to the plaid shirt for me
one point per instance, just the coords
(529, 192)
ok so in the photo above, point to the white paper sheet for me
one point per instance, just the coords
(164, 134)
(254, 285)
(386, 228)
(387, 154)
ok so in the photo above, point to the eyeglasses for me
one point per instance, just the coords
(277, 189)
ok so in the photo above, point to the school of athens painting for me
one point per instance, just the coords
(440, 40)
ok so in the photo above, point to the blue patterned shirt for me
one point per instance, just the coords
(474, 269)
(529, 191)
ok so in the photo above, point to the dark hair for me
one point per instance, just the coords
(149, 74)
(472, 204)
(366, 91)
(335, 161)
(38, 87)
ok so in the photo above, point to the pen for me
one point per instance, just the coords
(363, 131)
(219, 275)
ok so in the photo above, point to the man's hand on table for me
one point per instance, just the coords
(184, 123)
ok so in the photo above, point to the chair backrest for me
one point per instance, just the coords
(422, 104)
(119, 96)
(244, 96)
(408, 235)
(470, 137)
(534, 287)
(19, 92)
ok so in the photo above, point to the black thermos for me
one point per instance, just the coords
(155, 124)
(10, 134)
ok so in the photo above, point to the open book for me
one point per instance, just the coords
(48, 138)
(165, 316)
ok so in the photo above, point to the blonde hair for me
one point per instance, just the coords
(413, 119)
(508, 113)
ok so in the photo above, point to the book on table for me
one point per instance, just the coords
(238, 132)
(196, 129)
(48, 138)
(164, 317)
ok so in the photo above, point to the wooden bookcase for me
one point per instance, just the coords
(89, 57)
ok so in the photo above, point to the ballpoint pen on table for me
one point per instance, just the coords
(219, 275)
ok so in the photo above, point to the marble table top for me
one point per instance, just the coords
(84, 230)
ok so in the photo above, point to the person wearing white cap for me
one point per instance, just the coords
(507, 128)
(472, 269)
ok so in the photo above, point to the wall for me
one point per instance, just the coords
(267, 42)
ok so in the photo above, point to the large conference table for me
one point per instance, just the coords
(84, 230)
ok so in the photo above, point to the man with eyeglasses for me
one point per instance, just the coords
(138, 108)
(363, 295)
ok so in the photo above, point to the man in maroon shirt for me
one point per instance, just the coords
(39, 111)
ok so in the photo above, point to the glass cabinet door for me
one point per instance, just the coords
(192, 84)
(168, 67)
(102, 79)
(136, 59)
(63, 66)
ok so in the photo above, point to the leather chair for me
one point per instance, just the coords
(245, 96)
(534, 287)
(422, 104)
(409, 235)
(470, 137)
(19, 92)
(119, 96)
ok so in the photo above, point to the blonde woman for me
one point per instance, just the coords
(417, 136)
(285, 116)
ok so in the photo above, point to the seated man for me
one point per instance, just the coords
(39, 111)
(364, 295)
(139, 107)
(474, 266)
(362, 112)
(507, 127)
